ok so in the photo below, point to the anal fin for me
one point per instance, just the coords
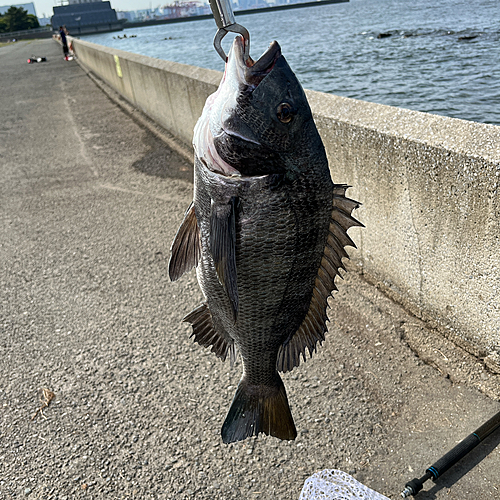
(186, 248)
(205, 333)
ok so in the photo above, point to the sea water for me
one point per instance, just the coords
(436, 56)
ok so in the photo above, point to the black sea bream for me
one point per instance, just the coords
(266, 232)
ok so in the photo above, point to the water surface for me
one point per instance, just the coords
(440, 56)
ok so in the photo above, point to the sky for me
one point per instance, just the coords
(45, 6)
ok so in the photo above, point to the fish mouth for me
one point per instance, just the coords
(248, 71)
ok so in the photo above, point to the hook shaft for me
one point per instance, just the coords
(224, 18)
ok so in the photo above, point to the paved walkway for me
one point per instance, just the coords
(89, 204)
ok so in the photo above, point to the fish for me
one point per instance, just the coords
(266, 232)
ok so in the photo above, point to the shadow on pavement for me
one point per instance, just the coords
(161, 161)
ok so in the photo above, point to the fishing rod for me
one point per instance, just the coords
(453, 456)
(224, 18)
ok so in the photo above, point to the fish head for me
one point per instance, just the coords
(259, 121)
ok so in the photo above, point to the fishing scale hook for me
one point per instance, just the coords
(224, 18)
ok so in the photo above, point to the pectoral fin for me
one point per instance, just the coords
(222, 248)
(186, 248)
(313, 327)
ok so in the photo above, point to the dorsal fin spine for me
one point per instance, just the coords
(337, 230)
(329, 268)
(322, 287)
(337, 247)
(334, 258)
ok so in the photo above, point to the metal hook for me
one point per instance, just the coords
(235, 28)
(224, 18)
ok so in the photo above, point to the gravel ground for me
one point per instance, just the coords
(89, 203)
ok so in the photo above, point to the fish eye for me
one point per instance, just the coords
(285, 112)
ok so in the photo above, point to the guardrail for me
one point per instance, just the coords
(43, 32)
(16, 34)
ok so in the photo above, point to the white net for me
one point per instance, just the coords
(332, 484)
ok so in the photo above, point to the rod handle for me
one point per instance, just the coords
(454, 455)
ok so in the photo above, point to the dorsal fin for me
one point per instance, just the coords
(206, 335)
(186, 248)
(313, 327)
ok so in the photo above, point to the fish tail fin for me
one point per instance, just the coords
(256, 409)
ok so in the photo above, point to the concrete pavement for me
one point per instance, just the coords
(89, 203)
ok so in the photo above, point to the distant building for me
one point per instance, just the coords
(253, 4)
(129, 16)
(29, 7)
(143, 14)
(84, 17)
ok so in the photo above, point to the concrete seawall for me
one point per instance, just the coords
(428, 184)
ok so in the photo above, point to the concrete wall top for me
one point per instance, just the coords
(201, 74)
(428, 184)
(473, 139)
